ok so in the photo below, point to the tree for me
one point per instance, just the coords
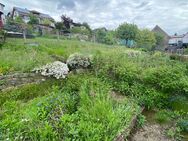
(59, 26)
(146, 39)
(127, 32)
(9, 21)
(86, 25)
(33, 19)
(22, 25)
(46, 22)
(80, 30)
(100, 34)
(159, 39)
(110, 38)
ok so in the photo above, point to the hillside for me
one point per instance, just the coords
(99, 102)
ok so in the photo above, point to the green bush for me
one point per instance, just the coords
(183, 124)
(148, 97)
(168, 79)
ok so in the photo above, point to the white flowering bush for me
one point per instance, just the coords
(56, 69)
(79, 61)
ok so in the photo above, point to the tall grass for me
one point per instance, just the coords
(80, 110)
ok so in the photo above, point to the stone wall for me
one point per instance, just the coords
(19, 79)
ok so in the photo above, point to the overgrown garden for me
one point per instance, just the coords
(83, 106)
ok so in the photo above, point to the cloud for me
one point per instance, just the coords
(66, 4)
(143, 4)
(171, 15)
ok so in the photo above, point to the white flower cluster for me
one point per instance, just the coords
(79, 61)
(56, 69)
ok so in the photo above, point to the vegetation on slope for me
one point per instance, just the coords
(81, 107)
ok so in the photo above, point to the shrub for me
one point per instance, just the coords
(148, 97)
(79, 61)
(183, 124)
(167, 79)
(174, 133)
(141, 121)
(56, 69)
(3, 38)
(157, 54)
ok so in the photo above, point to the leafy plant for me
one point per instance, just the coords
(141, 121)
(183, 124)
(175, 133)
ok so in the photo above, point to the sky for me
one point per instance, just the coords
(170, 15)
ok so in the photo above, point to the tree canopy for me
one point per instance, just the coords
(33, 19)
(159, 38)
(146, 39)
(59, 25)
(127, 31)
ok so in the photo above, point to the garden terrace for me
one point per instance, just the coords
(98, 103)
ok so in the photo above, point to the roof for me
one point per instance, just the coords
(22, 10)
(45, 16)
(34, 12)
(160, 30)
(179, 36)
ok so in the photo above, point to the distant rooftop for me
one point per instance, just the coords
(22, 10)
(45, 16)
(179, 36)
(159, 29)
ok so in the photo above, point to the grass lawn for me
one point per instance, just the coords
(17, 56)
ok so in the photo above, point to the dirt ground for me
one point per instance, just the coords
(151, 132)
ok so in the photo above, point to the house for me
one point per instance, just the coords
(158, 29)
(179, 40)
(45, 21)
(185, 40)
(2, 18)
(20, 12)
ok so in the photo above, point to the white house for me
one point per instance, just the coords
(174, 40)
(25, 15)
(185, 39)
(179, 39)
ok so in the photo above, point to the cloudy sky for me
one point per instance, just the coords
(171, 15)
